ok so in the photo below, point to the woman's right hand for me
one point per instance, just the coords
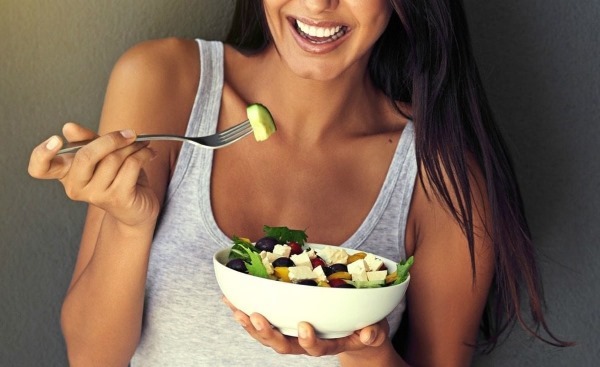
(107, 173)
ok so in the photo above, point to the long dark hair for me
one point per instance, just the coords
(424, 58)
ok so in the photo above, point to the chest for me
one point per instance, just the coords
(328, 192)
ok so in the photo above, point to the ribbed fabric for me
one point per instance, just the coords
(185, 321)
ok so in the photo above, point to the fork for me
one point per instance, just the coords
(215, 141)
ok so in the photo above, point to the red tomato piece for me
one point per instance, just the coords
(296, 249)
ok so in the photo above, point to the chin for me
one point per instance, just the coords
(316, 75)
(317, 71)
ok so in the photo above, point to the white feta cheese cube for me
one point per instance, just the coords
(358, 266)
(301, 260)
(282, 250)
(359, 276)
(358, 269)
(268, 265)
(297, 273)
(373, 263)
(377, 275)
(311, 253)
(333, 255)
(318, 271)
(269, 256)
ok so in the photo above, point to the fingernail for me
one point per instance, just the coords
(302, 332)
(52, 143)
(256, 324)
(370, 338)
(127, 133)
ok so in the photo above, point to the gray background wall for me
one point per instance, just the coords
(540, 64)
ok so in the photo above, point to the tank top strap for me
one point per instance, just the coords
(207, 103)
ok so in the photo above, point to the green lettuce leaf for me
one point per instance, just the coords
(240, 248)
(255, 265)
(367, 283)
(284, 234)
(402, 270)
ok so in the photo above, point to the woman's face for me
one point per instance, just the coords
(321, 39)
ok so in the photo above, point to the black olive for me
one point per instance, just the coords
(266, 244)
(307, 282)
(338, 268)
(237, 265)
(284, 262)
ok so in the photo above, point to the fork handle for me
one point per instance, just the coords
(72, 147)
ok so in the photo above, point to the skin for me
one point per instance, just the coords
(332, 124)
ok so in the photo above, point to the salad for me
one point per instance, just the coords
(283, 255)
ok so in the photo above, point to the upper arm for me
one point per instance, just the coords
(151, 90)
(444, 301)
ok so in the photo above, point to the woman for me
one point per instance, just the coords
(385, 142)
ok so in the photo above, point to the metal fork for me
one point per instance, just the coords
(215, 141)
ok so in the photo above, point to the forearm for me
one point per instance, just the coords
(102, 313)
(383, 355)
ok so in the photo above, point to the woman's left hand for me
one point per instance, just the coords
(307, 342)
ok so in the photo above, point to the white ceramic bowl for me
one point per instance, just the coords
(333, 312)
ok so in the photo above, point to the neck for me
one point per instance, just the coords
(319, 109)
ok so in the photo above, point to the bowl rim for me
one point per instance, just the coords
(217, 262)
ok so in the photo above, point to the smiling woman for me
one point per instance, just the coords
(385, 143)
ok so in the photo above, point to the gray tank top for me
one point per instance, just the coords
(185, 323)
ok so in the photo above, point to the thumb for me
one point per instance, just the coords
(375, 335)
(76, 132)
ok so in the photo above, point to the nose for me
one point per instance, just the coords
(318, 6)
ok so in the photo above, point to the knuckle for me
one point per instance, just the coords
(133, 162)
(83, 156)
(316, 352)
(72, 193)
(112, 160)
(114, 138)
(111, 200)
(106, 200)
(281, 349)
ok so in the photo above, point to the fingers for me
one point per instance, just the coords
(316, 347)
(42, 164)
(113, 177)
(260, 329)
(76, 132)
(373, 335)
(129, 172)
(87, 158)
(107, 172)
(98, 170)
(308, 342)
(112, 161)
(370, 336)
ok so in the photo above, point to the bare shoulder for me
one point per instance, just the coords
(154, 78)
(429, 212)
(159, 56)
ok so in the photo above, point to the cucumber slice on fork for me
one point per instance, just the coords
(261, 121)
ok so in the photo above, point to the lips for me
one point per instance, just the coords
(318, 37)
(320, 34)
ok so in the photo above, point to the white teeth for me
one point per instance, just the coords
(319, 32)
